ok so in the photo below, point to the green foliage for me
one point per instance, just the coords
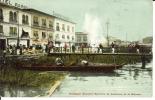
(26, 78)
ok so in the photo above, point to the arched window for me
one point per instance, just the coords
(57, 36)
(68, 37)
(72, 37)
(68, 28)
(15, 16)
(23, 19)
(63, 36)
(57, 27)
(27, 19)
(43, 35)
(11, 16)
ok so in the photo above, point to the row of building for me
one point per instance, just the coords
(29, 26)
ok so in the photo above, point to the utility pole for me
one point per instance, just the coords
(107, 33)
(18, 40)
(126, 39)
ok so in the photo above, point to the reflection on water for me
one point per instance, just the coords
(135, 82)
(129, 81)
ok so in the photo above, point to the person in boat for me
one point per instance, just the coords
(59, 62)
(84, 63)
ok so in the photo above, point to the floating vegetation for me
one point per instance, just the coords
(26, 78)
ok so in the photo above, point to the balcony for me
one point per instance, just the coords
(13, 35)
(36, 24)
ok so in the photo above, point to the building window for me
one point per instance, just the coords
(13, 31)
(1, 29)
(50, 36)
(12, 16)
(68, 37)
(43, 35)
(78, 38)
(36, 21)
(25, 19)
(73, 29)
(15, 17)
(63, 27)
(44, 22)
(35, 34)
(68, 28)
(1, 14)
(50, 24)
(57, 36)
(58, 27)
(72, 37)
(63, 36)
(85, 38)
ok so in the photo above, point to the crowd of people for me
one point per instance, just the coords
(51, 48)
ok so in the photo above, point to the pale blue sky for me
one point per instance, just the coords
(131, 17)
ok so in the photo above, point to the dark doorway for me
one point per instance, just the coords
(2, 44)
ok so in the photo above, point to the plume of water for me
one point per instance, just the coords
(94, 28)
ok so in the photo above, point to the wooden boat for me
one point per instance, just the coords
(81, 68)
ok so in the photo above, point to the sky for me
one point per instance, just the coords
(127, 18)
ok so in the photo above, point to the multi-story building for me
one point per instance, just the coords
(81, 38)
(64, 31)
(42, 28)
(15, 25)
(27, 26)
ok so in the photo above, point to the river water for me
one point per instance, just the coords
(129, 81)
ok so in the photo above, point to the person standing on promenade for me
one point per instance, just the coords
(100, 48)
(50, 47)
(73, 48)
(137, 46)
(44, 48)
(82, 47)
(65, 47)
(21, 49)
(113, 47)
(14, 50)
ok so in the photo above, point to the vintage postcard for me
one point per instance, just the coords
(76, 48)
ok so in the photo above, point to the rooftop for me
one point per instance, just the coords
(56, 15)
(81, 33)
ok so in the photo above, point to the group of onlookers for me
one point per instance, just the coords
(51, 48)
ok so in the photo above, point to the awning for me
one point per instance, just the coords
(25, 34)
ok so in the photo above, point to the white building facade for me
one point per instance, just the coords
(81, 39)
(29, 27)
(42, 28)
(15, 25)
(64, 32)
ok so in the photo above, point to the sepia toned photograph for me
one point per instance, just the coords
(76, 48)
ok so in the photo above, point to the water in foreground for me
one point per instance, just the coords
(125, 82)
